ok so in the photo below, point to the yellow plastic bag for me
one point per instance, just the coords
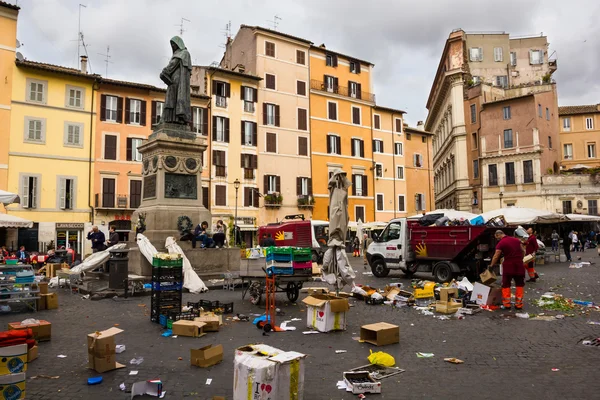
(381, 358)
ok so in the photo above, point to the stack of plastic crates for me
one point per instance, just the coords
(167, 283)
(167, 320)
(279, 261)
(302, 261)
(215, 306)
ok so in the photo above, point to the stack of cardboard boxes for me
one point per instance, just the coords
(487, 292)
(47, 301)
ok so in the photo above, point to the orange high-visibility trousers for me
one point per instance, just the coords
(506, 297)
(520, 290)
(530, 269)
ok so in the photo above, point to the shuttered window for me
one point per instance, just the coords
(300, 57)
(220, 195)
(332, 110)
(219, 162)
(135, 193)
(271, 143)
(377, 121)
(379, 202)
(302, 146)
(205, 197)
(302, 119)
(108, 192)
(110, 147)
(356, 115)
(301, 88)
(270, 49)
(270, 81)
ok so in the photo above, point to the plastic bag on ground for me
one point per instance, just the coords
(381, 358)
(358, 290)
(376, 296)
(191, 280)
(30, 321)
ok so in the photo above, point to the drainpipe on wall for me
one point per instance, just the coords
(374, 171)
(429, 175)
(394, 168)
(95, 87)
(309, 150)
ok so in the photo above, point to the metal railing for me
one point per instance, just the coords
(248, 106)
(342, 91)
(221, 101)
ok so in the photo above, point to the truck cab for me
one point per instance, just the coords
(389, 249)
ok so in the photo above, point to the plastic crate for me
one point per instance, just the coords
(302, 264)
(279, 257)
(167, 273)
(303, 271)
(167, 286)
(301, 254)
(12, 261)
(214, 306)
(280, 270)
(157, 262)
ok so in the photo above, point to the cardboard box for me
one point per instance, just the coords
(206, 356)
(43, 287)
(52, 268)
(41, 303)
(50, 300)
(264, 372)
(448, 307)
(41, 332)
(13, 386)
(32, 354)
(102, 349)
(488, 277)
(361, 387)
(380, 334)
(326, 312)
(486, 295)
(447, 293)
(188, 328)
(152, 388)
(211, 321)
(391, 292)
(13, 359)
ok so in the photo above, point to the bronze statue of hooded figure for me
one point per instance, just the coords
(176, 75)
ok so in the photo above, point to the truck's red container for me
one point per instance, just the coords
(288, 233)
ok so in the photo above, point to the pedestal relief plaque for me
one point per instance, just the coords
(180, 186)
(150, 187)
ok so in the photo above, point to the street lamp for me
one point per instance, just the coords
(236, 185)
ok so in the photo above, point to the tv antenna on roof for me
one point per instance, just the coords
(275, 22)
(106, 59)
(181, 30)
(227, 34)
(79, 33)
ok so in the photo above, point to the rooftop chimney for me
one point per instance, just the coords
(84, 64)
(420, 126)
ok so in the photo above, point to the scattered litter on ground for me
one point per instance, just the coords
(120, 348)
(209, 381)
(593, 323)
(61, 356)
(133, 372)
(543, 318)
(522, 315)
(356, 338)
(341, 351)
(555, 369)
(45, 377)
(284, 326)
(151, 388)
(122, 387)
(95, 380)
(425, 355)
(378, 371)
(167, 333)
(296, 319)
(310, 332)
(180, 358)
(136, 360)
(174, 336)
(454, 360)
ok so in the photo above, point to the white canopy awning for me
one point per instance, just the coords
(12, 221)
(525, 216)
(8, 197)
(583, 217)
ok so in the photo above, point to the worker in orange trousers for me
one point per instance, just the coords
(531, 247)
(512, 268)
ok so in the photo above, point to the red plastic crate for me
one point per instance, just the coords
(302, 264)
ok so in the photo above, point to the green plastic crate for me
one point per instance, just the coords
(301, 254)
(157, 262)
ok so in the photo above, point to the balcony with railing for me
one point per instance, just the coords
(248, 106)
(221, 101)
(342, 91)
(306, 202)
(120, 201)
(273, 200)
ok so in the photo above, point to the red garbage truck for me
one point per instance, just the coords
(445, 252)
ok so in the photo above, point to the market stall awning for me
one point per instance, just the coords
(583, 217)
(450, 213)
(11, 221)
(8, 197)
(525, 216)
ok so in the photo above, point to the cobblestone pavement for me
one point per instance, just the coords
(504, 357)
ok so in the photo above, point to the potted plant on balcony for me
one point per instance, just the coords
(273, 200)
(306, 202)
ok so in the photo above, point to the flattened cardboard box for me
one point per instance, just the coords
(41, 332)
(101, 350)
(13, 386)
(32, 354)
(188, 328)
(380, 333)
(13, 359)
(371, 386)
(206, 356)
(326, 312)
(262, 372)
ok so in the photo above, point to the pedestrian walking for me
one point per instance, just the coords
(531, 247)
(555, 239)
(512, 268)
(567, 246)
(575, 240)
(356, 246)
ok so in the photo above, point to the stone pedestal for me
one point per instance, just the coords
(172, 183)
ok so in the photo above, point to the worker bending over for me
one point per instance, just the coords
(512, 268)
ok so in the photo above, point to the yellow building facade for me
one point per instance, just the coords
(8, 40)
(50, 153)
(341, 105)
(579, 134)
(418, 170)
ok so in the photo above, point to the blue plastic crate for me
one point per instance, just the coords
(280, 271)
(161, 286)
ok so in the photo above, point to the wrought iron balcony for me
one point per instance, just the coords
(342, 91)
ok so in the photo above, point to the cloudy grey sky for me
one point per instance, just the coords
(403, 38)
